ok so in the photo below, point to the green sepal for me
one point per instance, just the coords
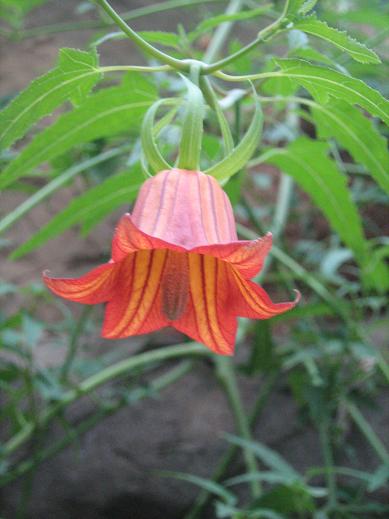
(242, 153)
(192, 128)
(213, 102)
(149, 131)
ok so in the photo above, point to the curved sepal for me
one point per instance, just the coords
(240, 155)
(149, 130)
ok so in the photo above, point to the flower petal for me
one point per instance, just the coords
(129, 238)
(187, 208)
(246, 256)
(97, 286)
(208, 318)
(251, 300)
(136, 305)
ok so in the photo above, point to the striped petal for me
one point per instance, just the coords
(208, 318)
(251, 300)
(97, 286)
(245, 256)
(129, 238)
(136, 305)
(187, 208)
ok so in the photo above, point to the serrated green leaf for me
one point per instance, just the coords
(322, 83)
(309, 54)
(357, 135)
(340, 39)
(97, 202)
(307, 6)
(106, 113)
(369, 14)
(294, 6)
(73, 78)
(308, 163)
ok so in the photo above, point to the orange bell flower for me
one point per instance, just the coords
(177, 262)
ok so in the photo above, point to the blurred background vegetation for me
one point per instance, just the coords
(153, 441)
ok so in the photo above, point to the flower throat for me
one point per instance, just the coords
(175, 285)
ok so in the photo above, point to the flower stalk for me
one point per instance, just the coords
(226, 373)
(184, 65)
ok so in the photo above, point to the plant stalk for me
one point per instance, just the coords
(226, 373)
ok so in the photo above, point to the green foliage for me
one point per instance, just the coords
(342, 40)
(13, 11)
(107, 113)
(308, 163)
(357, 134)
(73, 78)
(214, 21)
(238, 157)
(88, 209)
(323, 84)
(324, 128)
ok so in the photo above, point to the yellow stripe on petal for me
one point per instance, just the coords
(252, 301)
(97, 286)
(135, 308)
(208, 297)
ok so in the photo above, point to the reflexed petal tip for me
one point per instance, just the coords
(96, 286)
(252, 301)
(177, 262)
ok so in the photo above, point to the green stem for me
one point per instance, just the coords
(226, 373)
(98, 379)
(143, 44)
(233, 450)
(192, 127)
(281, 212)
(263, 35)
(155, 386)
(73, 342)
(284, 194)
(329, 465)
(368, 432)
(134, 68)
(246, 77)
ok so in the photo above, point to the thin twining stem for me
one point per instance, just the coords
(143, 44)
(268, 32)
(184, 65)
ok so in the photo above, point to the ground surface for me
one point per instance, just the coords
(110, 473)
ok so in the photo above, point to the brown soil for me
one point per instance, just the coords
(111, 472)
